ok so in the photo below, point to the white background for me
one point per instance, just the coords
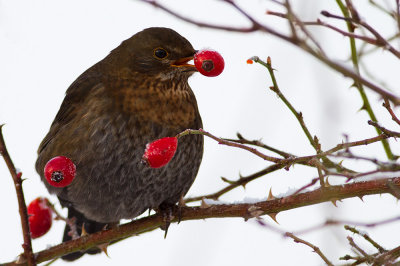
(45, 45)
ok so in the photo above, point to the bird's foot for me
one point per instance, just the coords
(167, 211)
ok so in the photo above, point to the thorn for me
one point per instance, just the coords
(334, 202)
(204, 205)
(270, 196)
(241, 178)
(273, 216)
(240, 175)
(103, 248)
(327, 184)
(362, 108)
(227, 180)
(361, 198)
(84, 232)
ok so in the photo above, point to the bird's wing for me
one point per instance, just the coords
(74, 98)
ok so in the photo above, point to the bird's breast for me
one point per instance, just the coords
(166, 103)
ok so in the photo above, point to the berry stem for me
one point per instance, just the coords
(27, 245)
(228, 143)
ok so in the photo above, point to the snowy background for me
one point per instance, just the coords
(45, 45)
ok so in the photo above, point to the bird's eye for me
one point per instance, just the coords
(160, 53)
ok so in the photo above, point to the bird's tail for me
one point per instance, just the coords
(90, 227)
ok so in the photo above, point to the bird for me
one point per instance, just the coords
(138, 93)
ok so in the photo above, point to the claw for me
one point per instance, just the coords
(167, 211)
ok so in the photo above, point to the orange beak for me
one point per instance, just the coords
(183, 62)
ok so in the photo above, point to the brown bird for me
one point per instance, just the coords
(135, 95)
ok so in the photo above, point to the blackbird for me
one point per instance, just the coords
(135, 95)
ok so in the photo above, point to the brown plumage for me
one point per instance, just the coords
(137, 94)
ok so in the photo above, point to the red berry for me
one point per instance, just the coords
(159, 152)
(40, 217)
(59, 171)
(209, 63)
(249, 61)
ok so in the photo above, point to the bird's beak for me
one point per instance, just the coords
(184, 62)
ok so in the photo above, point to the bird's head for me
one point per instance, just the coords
(158, 51)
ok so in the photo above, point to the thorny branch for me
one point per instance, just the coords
(27, 245)
(243, 210)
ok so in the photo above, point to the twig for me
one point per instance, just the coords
(315, 248)
(299, 116)
(366, 237)
(228, 143)
(386, 104)
(395, 219)
(260, 144)
(380, 41)
(359, 249)
(389, 256)
(70, 221)
(384, 130)
(275, 88)
(27, 245)
(344, 33)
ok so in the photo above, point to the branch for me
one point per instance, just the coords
(283, 163)
(27, 245)
(242, 210)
